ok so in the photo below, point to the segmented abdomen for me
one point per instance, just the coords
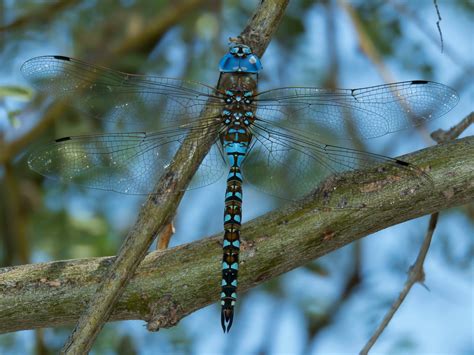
(235, 151)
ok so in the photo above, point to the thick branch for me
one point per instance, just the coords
(170, 284)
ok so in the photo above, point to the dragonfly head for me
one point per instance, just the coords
(240, 59)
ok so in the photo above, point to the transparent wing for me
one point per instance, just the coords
(129, 163)
(119, 97)
(367, 112)
(286, 164)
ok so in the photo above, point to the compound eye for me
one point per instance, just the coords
(246, 50)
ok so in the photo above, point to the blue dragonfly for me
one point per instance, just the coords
(271, 139)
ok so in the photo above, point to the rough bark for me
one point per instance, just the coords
(170, 284)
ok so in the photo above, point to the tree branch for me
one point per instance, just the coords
(171, 284)
(160, 207)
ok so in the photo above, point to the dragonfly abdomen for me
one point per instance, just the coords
(231, 246)
(235, 143)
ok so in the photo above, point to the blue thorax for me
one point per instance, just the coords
(240, 59)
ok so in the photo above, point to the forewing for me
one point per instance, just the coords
(366, 112)
(145, 101)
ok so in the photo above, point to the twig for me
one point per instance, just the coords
(420, 23)
(435, 3)
(441, 136)
(415, 274)
(165, 237)
(160, 207)
(416, 271)
(173, 283)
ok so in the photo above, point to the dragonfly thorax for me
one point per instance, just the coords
(238, 97)
(238, 109)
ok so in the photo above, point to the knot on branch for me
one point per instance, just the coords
(164, 313)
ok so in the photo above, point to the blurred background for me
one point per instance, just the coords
(329, 306)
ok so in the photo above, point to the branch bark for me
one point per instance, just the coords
(173, 283)
(159, 209)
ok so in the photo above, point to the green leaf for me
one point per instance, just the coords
(18, 92)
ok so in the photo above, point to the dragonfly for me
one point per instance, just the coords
(271, 139)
